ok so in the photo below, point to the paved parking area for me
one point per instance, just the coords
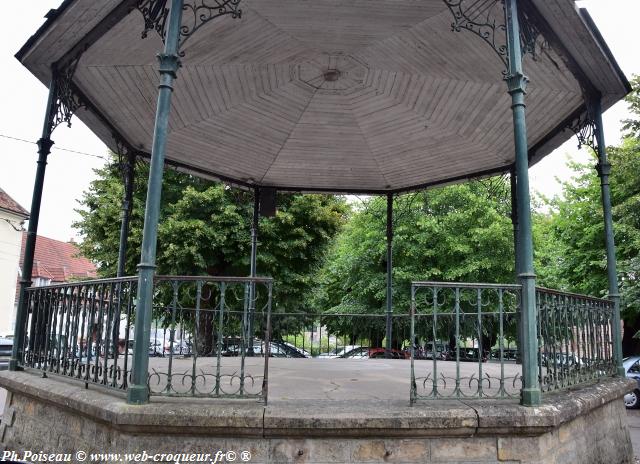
(340, 379)
(633, 416)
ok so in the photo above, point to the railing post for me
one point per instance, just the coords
(44, 148)
(517, 83)
(125, 214)
(604, 170)
(515, 224)
(389, 315)
(138, 392)
(252, 266)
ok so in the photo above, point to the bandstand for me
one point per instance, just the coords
(375, 97)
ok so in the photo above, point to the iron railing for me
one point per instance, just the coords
(81, 330)
(213, 336)
(575, 337)
(202, 336)
(217, 328)
(464, 341)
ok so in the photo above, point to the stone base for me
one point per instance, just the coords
(58, 416)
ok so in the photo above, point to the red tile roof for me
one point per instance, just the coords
(9, 204)
(58, 261)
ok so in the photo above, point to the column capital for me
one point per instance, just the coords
(517, 82)
(604, 169)
(169, 64)
(44, 145)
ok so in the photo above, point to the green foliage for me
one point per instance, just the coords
(457, 233)
(632, 126)
(574, 248)
(204, 229)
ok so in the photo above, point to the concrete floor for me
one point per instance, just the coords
(337, 379)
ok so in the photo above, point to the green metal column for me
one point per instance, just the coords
(138, 392)
(44, 148)
(514, 218)
(517, 83)
(252, 266)
(514, 222)
(125, 214)
(389, 329)
(604, 169)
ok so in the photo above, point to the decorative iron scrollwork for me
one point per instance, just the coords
(195, 15)
(487, 19)
(585, 129)
(124, 157)
(67, 101)
(155, 13)
(584, 126)
(531, 39)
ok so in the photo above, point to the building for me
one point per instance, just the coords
(54, 262)
(12, 218)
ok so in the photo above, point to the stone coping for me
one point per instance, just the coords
(318, 418)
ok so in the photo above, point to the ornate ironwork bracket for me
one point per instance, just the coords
(126, 159)
(195, 15)
(487, 19)
(531, 39)
(584, 127)
(67, 101)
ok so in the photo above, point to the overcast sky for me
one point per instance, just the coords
(23, 100)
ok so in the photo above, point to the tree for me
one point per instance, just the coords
(460, 233)
(632, 126)
(576, 228)
(204, 229)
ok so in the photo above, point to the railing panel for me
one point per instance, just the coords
(464, 341)
(209, 336)
(576, 343)
(81, 330)
(204, 334)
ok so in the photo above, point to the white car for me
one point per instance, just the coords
(339, 351)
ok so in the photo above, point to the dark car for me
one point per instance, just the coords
(632, 369)
(508, 354)
(277, 349)
(467, 355)
(6, 346)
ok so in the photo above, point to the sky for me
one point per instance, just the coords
(69, 173)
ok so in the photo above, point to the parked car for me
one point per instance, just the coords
(561, 360)
(508, 354)
(364, 352)
(6, 346)
(180, 347)
(278, 349)
(304, 352)
(338, 351)
(428, 352)
(468, 355)
(155, 347)
(632, 369)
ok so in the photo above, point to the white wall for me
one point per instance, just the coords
(10, 240)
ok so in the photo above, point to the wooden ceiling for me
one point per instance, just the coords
(320, 95)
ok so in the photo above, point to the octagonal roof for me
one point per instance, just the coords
(329, 95)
